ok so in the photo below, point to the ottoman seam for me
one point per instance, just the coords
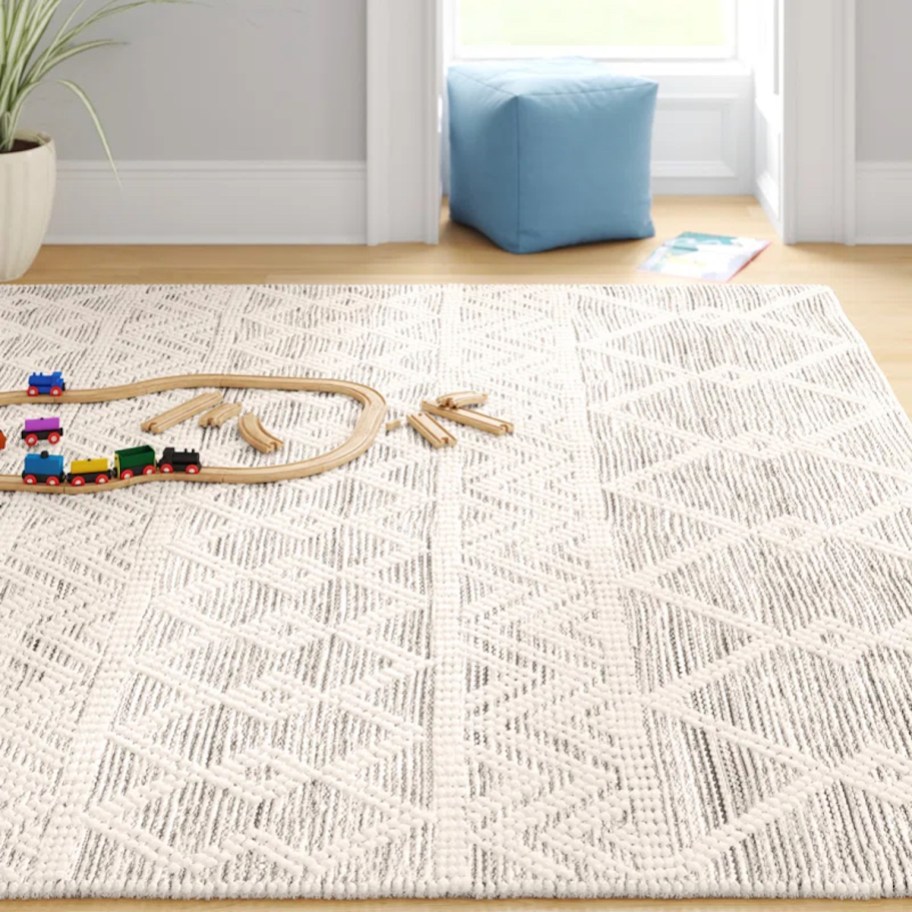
(589, 91)
(485, 84)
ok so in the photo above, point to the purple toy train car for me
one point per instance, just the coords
(36, 429)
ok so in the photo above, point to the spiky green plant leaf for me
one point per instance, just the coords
(32, 45)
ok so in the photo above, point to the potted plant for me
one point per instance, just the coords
(32, 45)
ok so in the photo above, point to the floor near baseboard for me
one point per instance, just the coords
(874, 285)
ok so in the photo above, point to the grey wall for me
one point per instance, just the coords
(884, 66)
(219, 80)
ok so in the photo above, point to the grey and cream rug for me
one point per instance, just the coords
(659, 643)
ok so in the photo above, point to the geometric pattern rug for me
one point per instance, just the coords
(657, 643)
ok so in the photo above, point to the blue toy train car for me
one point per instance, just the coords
(46, 384)
(43, 468)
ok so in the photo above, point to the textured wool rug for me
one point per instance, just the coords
(658, 643)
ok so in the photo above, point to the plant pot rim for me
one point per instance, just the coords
(35, 136)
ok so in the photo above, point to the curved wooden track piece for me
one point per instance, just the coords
(251, 429)
(368, 425)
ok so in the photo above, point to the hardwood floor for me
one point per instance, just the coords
(873, 283)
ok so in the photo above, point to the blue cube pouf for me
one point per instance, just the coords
(550, 153)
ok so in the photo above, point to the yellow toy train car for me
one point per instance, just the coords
(89, 471)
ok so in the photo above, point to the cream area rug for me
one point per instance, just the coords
(658, 643)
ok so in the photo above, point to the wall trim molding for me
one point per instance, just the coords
(845, 99)
(818, 135)
(210, 202)
(714, 113)
(883, 203)
(762, 35)
(404, 72)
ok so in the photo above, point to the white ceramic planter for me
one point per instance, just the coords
(27, 183)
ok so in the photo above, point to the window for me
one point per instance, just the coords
(607, 29)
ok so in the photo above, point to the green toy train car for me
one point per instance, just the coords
(135, 461)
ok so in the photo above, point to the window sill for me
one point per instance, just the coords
(651, 68)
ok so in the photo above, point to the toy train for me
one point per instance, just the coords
(36, 429)
(46, 384)
(44, 468)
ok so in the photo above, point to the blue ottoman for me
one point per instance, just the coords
(549, 153)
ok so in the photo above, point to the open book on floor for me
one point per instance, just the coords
(704, 256)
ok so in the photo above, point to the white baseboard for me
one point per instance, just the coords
(883, 203)
(183, 202)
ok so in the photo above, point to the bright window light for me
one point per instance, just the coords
(609, 29)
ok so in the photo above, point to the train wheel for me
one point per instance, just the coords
(101, 479)
(31, 440)
(192, 470)
(56, 392)
(78, 481)
(54, 482)
(53, 437)
(30, 479)
(166, 468)
(149, 470)
(126, 474)
(33, 390)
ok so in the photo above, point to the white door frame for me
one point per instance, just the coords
(404, 75)
(816, 181)
(810, 193)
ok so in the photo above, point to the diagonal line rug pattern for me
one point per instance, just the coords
(658, 643)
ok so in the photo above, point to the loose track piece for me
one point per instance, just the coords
(181, 413)
(251, 429)
(220, 414)
(432, 431)
(461, 400)
(473, 419)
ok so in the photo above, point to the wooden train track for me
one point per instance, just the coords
(181, 413)
(366, 429)
(251, 429)
(220, 414)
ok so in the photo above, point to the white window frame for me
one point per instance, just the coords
(688, 90)
(729, 51)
